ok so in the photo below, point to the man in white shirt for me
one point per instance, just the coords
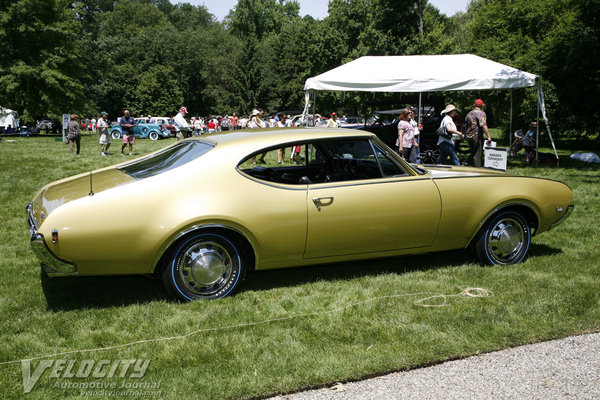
(181, 124)
(104, 133)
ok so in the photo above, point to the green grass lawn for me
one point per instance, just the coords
(287, 329)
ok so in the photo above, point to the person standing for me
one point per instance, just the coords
(256, 122)
(212, 126)
(181, 125)
(234, 121)
(73, 133)
(333, 121)
(417, 130)
(127, 123)
(198, 122)
(104, 134)
(151, 120)
(281, 151)
(476, 126)
(406, 137)
(446, 144)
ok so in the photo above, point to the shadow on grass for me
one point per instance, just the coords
(75, 293)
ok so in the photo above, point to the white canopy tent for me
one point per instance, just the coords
(426, 73)
(8, 118)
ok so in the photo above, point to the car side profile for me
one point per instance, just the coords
(205, 213)
(142, 130)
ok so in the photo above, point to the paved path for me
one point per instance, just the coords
(559, 369)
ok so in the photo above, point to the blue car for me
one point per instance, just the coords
(142, 130)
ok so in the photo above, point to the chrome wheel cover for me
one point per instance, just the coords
(505, 240)
(205, 268)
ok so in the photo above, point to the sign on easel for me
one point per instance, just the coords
(495, 157)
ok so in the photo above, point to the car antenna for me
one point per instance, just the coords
(91, 190)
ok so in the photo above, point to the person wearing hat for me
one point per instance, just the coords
(104, 134)
(255, 120)
(446, 144)
(181, 125)
(333, 122)
(476, 126)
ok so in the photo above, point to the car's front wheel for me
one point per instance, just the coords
(203, 266)
(153, 135)
(504, 239)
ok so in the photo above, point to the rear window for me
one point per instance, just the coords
(171, 157)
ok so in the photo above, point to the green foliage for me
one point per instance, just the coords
(555, 39)
(40, 71)
(83, 56)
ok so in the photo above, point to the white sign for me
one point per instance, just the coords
(66, 119)
(495, 158)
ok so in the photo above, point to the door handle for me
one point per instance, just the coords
(322, 201)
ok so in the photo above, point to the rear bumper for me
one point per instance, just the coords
(52, 265)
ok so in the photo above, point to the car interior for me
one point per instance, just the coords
(324, 161)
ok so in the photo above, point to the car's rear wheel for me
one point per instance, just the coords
(115, 135)
(203, 266)
(153, 135)
(430, 154)
(504, 239)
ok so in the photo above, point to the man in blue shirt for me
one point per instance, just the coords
(127, 123)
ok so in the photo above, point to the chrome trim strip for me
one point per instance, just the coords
(408, 178)
(567, 213)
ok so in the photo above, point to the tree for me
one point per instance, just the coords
(40, 72)
(555, 39)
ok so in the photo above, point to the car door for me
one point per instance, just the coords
(369, 202)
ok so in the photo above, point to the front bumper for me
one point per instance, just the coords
(52, 265)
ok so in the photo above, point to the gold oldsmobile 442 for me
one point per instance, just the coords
(203, 211)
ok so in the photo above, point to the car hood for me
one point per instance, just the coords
(55, 194)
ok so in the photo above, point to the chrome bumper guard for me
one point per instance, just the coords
(569, 211)
(52, 265)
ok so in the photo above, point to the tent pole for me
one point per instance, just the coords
(510, 119)
(314, 108)
(419, 137)
(545, 117)
(537, 119)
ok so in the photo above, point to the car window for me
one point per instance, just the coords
(322, 161)
(166, 160)
(389, 166)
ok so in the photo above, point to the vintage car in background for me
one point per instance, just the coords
(352, 122)
(384, 124)
(168, 123)
(204, 213)
(45, 124)
(142, 130)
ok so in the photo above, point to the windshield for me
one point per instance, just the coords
(171, 157)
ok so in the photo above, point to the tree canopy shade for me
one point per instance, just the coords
(415, 74)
